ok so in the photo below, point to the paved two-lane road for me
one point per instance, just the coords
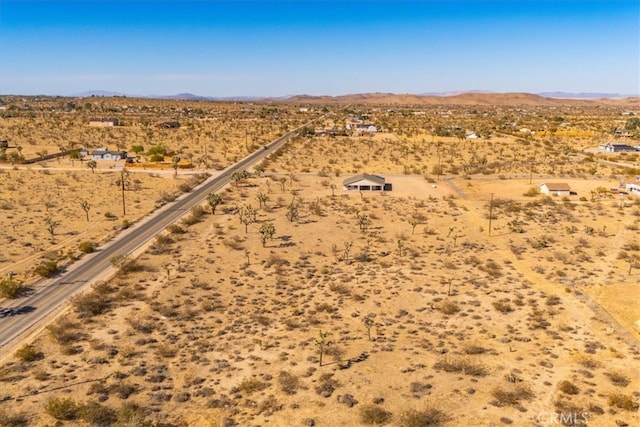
(30, 312)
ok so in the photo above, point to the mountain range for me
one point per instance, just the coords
(473, 97)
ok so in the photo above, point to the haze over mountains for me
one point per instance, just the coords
(478, 95)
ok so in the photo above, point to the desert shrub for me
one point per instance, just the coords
(374, 415)
(568, 387)
(491, 268)
(87, 247)
(449, 307)
(28, 353)
(503, 306)
(62, 409)
(513, 396)
(89, 304)
(289, 383)
(463, 366)
(622, 401)
(123, 389)
(541, 242)
(143, 325)
(131, 414)
(235, 243)
(161, 245)
(167, 350)
(618, 378)
(13, 420)
(475, 349)
(588, 362)
(340, 288)
(250, 385)
(96, 414)
(327, 385)
(176, 229)
(428, 417)
(185, 187)
(11, 288)
(65, 332)
(269, 406)
(132, 266)
(532, 192)
(47, 269)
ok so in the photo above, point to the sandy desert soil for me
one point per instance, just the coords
(421, 313)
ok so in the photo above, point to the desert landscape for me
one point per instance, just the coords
(462, 296)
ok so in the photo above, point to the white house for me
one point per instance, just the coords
(367, 128)
(366, 182)
(633, 188)
(104, 122)
(104, 154)
(555, 189)
(470, 135)
(614, 147)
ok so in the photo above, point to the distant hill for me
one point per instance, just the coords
(104, 93)
(582, 95)
(474, 97)
(466, 98)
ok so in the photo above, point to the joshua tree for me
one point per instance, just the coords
(85, 207)
(175, 161)
(634, 261)
(267, 230)
(283, 180)
(368, 323)
(293, 212)
(333, 190)
(247, 215)
(449, 282)
(214, 200)
(400, 247)
(415, 219)
(236, 177)
(51, 225)
(262, 199)
(363, 221)
(322, 344)
(92, 164)
(347, 249)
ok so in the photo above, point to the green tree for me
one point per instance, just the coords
(10, 287)
(74, 155)
(157, 150)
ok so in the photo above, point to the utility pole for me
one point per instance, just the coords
(490, 213)
(530, 171)
(123, 184)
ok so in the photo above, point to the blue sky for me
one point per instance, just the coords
(275, 48)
